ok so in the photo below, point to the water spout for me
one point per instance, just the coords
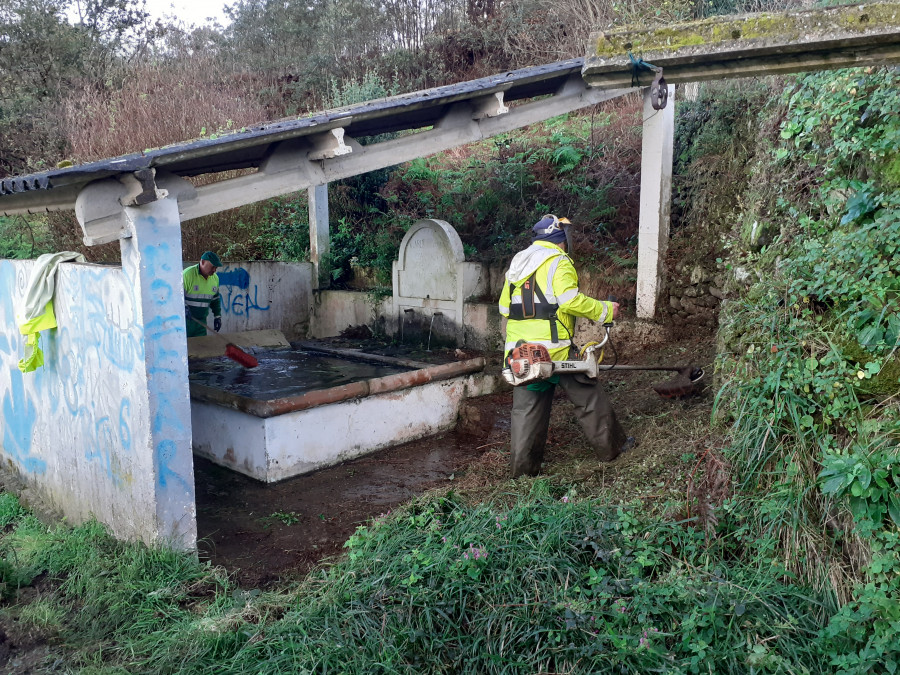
(428, 349)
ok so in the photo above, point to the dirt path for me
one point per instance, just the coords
(268, 533)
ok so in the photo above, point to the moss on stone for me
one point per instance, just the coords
(782, 27)
(891, 172)
(758, 232)
(885, 383)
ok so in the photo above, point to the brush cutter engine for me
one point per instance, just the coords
(528, 362)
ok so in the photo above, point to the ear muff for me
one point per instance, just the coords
(553, 226)
(562, 224)
(556, 224)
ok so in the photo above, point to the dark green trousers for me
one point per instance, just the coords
(193, 330)
(531, 420)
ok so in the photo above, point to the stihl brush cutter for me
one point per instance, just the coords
(529, 362)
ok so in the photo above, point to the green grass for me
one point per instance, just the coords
(551, 584)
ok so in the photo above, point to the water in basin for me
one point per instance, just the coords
(285, 372)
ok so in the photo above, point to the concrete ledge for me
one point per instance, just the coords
(319, 397)
(214, 344)
(275, 448)
(767, 43)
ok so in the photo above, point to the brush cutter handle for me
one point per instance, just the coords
(608, 324)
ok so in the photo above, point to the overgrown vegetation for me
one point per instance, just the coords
(793, 568)
(813, 377)
(23, 237)
(551, 584)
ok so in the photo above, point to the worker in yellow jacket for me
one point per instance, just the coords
(540, 300)
(201, 293)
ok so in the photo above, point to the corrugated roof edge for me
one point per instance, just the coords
(55, 178)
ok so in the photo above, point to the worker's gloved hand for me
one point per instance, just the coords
(217, 323)
(615, 310)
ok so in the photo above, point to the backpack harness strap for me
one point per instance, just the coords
(529, 309)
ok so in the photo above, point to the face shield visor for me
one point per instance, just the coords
(570, 240)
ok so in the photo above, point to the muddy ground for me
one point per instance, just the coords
(266, 534)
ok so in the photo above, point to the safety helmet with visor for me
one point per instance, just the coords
(553, 229)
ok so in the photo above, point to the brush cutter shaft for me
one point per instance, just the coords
(531, 362)
(675, 369)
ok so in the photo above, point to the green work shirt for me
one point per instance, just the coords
(199, 296)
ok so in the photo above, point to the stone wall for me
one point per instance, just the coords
(696, 292)
(78, 434)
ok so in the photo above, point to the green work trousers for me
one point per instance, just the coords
(531, 420)
(195, 330)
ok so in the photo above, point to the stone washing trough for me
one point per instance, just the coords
(309, 407)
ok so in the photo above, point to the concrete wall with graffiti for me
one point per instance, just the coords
(73, 429)
(267, 294)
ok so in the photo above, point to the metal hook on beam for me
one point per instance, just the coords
(659, 91)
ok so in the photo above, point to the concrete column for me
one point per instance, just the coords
(656, 201)
(151, 259)
(319, 236)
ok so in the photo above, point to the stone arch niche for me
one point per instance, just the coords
(431, 282)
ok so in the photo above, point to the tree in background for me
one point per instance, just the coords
(44, 57)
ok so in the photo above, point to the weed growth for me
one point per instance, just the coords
(812, 377)
(554, 583)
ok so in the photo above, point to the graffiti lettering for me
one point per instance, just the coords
(19, 415)
(83, 389)
(238, 278)
(242, 304)
(170, 418)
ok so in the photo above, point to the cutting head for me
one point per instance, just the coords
(684, 383)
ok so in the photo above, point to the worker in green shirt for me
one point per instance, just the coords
(201, 293)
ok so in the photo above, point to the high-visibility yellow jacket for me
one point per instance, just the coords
(200, 295)
(556, 279)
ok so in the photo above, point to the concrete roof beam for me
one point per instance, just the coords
(751, 45)
(489, 106)
(329, 145)
(298, 164)
(99, 206)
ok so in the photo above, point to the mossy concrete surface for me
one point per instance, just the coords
(750, 45)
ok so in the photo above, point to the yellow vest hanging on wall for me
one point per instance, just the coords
(39, 314)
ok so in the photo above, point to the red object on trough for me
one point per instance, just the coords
(235, 353)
